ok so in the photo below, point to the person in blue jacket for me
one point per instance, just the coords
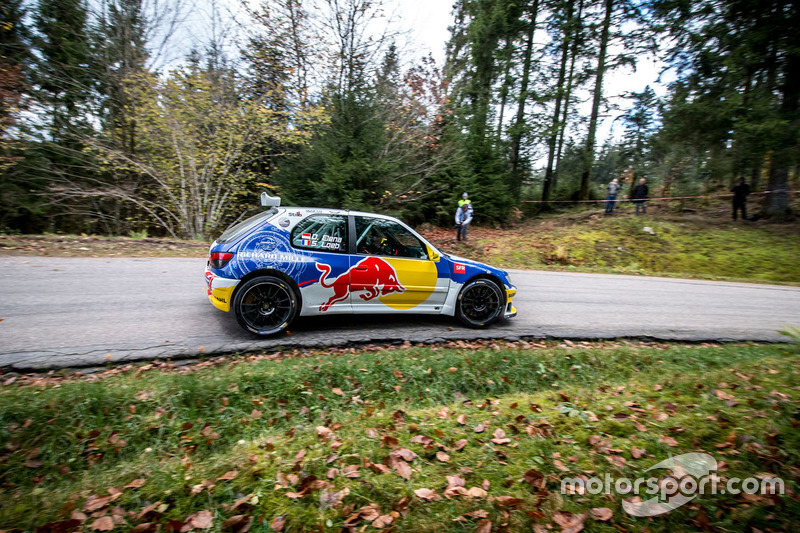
(463, 219)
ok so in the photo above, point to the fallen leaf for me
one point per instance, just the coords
(278, 523)
(722, 395)
(383, 521)
(370, 512)
(405, 454)
(637, 453)
(455, 481)
(93, 503)
(238, 523)
(477, 492)
(351, 471)
(500, 437)
(508, 501)
(149, 509)
(558, 464)
(602, 514)
(462, 419)
(569, 522)
(427, 495)
(135, 484)
(201, 520)
(105, 523)
(443, 457)
(616, 460)
(669, 441)
(337, 391)
(241, 501)
(402, 468)
(460, 444)
(480, 428)
(227, 476)
(484, 526)
(534, 477)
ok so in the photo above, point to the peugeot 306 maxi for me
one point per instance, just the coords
(295, 261)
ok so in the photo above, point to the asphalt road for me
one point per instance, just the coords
(75, 312)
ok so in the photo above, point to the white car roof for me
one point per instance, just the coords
(328, 211)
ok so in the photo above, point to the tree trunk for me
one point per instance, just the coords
(516, 135)
(504, 88)
(562, 73)
(588, 157)
(776, 203)
(567, 94)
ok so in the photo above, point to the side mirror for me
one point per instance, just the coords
(270, 201)
(434, 255)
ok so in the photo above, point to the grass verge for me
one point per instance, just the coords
(463, 437)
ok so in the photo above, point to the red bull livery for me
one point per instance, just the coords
(290, 262)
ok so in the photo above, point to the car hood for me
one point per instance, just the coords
(477, 265)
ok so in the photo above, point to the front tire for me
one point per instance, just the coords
(480, 303)
(265, 305)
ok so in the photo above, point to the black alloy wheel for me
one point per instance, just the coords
(265, 305)
(480, 303)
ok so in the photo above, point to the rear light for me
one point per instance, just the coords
(219, 259)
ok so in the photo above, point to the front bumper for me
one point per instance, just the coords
(510, 311)
(220, 290)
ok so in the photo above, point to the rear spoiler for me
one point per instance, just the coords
(270, 201)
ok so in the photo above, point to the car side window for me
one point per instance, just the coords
(325, 233)
(378, 236)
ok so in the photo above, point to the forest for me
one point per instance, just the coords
(315, 101)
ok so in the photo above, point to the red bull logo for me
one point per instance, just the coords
(372, 274)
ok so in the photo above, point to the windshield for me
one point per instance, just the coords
(243, 227)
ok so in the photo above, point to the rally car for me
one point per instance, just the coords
(294, 261)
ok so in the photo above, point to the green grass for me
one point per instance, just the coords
(175, 431)
(688, 248)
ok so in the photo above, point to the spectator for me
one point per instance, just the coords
(740, 192)
(464, 200)
(613, 189)
(463, 219)
(640, 195)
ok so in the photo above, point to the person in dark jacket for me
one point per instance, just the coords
(740, 192)
(640, 195)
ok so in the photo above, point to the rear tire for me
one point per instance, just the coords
(265, 305)
(480, 303)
